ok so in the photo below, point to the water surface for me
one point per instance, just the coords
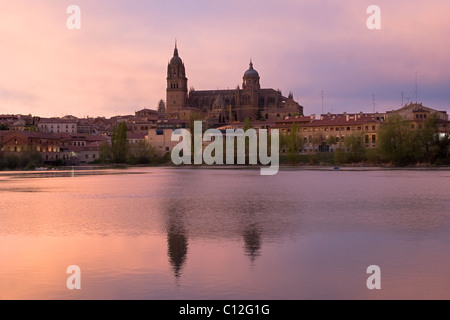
(174, 233)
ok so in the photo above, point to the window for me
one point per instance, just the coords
(374, 138)
(348, 128)
(374, 128)
(367, 138)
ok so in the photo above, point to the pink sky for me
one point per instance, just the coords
(117, 62)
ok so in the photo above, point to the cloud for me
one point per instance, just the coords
(117, 62)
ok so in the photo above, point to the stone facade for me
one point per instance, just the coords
(219, 107)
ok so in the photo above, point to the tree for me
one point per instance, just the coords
(398, 142)
(293, 143)
(142, 153)
(247, 124)
(355, 147)
(331, 140)
(317, 140)
(105, 153)
(434, 147)
(119, 145)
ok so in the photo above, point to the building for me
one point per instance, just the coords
(49, 146)
(161, 140)
(58, 125)
(135, 138)
(149, 114)
(417, 114)
(328, 133)
(224, 106)
(172, 124)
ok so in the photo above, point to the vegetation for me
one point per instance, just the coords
(292, 143)
(398, 143)
(122, 152)
(24, 161)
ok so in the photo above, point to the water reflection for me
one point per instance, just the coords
(305, 234)
(252, 241)
(177, 240)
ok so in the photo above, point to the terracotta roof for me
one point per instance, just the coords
(135, 136)
(34, 135)
(340, 120)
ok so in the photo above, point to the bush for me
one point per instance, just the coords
(25, 160)
(12, 161)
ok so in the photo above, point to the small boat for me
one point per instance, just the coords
(336, 168)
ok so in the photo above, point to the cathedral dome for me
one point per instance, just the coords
(176, 59)
(251, 73)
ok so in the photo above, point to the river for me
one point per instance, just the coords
(182, 233)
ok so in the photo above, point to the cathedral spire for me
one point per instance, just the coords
(175, 52)
(251, 64)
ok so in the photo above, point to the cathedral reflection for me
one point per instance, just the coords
(177, 240)
(252, 232)
(252, 241)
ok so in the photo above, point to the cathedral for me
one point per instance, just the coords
(219, 107)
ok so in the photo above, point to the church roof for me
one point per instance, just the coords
(251, 73)
(176, 59)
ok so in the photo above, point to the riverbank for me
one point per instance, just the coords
(282, 166)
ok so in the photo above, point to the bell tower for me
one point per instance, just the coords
(176, 84)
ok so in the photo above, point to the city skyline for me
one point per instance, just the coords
(116, 64)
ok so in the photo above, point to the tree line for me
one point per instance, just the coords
(398, 143)
(28, 160)
(119, 151)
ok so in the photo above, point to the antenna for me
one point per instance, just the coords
(416, 88)
(373, 102)
(402, 99)
(322, 101)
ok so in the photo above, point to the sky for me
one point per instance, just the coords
(116, 63)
